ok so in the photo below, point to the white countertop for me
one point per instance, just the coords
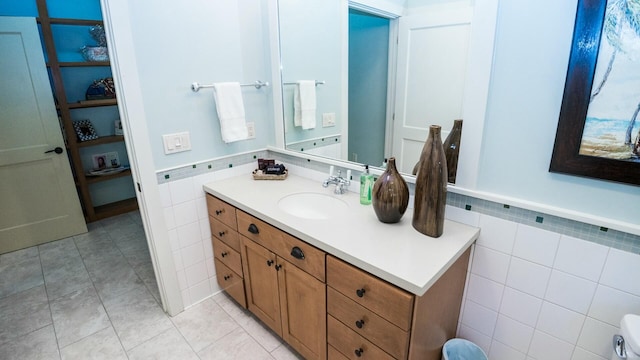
(396, 253)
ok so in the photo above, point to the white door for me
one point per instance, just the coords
(38, 199)
(432, 63)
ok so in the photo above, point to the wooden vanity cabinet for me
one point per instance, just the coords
(324, 307)
(226, 248)
(369, 318)
(280, 290)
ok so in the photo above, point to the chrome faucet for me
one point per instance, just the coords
(340, 182)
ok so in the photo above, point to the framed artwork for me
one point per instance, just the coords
(598, 131)
(84, 130)
(106, 161)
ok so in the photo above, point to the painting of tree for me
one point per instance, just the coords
(614, 104)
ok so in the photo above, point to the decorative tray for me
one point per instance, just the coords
(258, 175)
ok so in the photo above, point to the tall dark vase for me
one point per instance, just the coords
(431, 187)
(451, 147)
(390, 196)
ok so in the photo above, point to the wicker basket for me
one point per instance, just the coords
(258, 175)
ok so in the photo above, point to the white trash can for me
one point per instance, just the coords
(461, 349)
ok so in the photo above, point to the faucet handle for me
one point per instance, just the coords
(339, 172)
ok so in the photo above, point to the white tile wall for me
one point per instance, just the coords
(185, 210)
(536, 294)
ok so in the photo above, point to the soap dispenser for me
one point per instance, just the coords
(366, 186)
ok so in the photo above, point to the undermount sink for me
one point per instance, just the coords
(311, 205)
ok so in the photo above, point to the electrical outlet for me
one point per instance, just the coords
(328, 119)
(178, 142)
(251, 130)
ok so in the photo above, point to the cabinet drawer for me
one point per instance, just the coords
(364, 322)
(222, 211)
(333, 354)
(230, 282)
(283, 245)
(225, 233)
(348, 342)
(226, 255)
(384, 299)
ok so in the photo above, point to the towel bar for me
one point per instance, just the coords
(257, 84)
(318, 82)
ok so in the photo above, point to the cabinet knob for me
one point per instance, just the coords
(253, 229)
(224, 254)
(297, 253)
(360, 324)
(360, 292)
(227, 277)
(269, 262)
(221, 233)
(278, 267)
(359, 352)
(218, 212)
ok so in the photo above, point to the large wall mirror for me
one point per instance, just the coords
(380, 80)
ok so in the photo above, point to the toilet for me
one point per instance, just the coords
(627, 344)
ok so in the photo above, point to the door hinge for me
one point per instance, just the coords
(139, 187)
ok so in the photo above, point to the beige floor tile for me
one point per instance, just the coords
(103, 345)
(40, 344)
(237, 345)
(169, 345)
(78, 315)
(136, 317)
(203, 324)
(23, 313)
(284, 352)
(19, 271)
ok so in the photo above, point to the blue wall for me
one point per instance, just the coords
(205, 42)
(368, 71)
(527, 85)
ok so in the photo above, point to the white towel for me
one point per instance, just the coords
(304, 104)
(230, 108)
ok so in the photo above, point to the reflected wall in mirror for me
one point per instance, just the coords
(311, 49)
(394, 91)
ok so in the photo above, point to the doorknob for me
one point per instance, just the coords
(57, 150)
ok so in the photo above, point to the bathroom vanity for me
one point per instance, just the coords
(323, 273)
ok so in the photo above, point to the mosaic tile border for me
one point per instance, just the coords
(600, 235)
(203, 167)
(307, 145)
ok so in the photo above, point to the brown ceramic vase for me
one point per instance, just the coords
(390, 195)
(451, 147)
(431, 187)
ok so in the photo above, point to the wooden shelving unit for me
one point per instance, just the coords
(92, 213)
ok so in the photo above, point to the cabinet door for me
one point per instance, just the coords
(303, 306)
(261, 283)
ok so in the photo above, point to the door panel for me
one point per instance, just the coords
(432, 62)
(303, 306)
(39, 199)
(261, 283)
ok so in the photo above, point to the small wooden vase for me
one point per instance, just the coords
(452, 149)
(390, 195)
(431, 187)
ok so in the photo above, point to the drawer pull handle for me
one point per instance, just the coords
(360, 324)
(218, 212)
(224, 254)
(297, 253)
(269, 262)
(253, 229)
(227, 277)
(360, 292)
(221, 233)
(359, 352)
(278, 267)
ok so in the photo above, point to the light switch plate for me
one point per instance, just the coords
(251, 130)
(177, 142)
(328, 119)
